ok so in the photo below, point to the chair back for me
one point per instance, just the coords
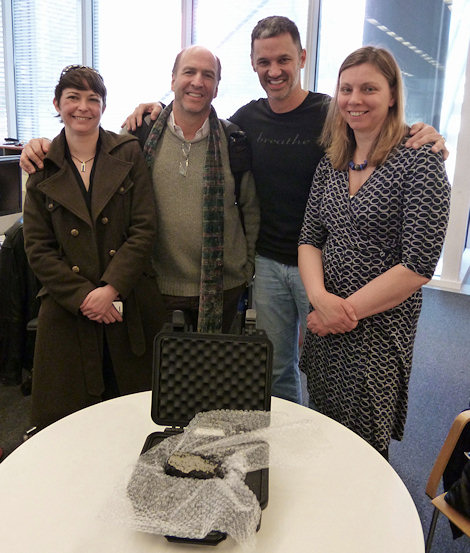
(445, 453)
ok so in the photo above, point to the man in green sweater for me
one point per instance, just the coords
(204, 255)
(189, 162)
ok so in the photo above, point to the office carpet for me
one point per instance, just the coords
(439, 390)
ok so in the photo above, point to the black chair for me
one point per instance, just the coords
(18, 306)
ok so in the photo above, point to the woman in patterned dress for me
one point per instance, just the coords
(373, 231)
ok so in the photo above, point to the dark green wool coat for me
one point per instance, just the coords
(72, 251)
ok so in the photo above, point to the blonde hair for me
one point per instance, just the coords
(337, 136)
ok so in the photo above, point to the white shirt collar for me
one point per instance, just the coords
(200, 134)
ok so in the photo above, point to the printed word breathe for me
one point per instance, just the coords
(289, 141)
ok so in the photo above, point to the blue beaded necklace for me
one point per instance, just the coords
(358, 166)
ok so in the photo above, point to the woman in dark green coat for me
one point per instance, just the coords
(89, 228)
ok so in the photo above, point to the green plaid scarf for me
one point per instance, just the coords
(212, 260)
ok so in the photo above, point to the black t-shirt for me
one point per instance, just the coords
(285, 155)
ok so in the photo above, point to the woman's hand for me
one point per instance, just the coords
(98, 305)
(332, 315)
(315, 325)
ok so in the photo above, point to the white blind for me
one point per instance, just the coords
(47, 37)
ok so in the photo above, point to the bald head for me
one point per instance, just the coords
(198, 51)
(195, 82)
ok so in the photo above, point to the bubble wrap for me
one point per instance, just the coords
(241, 442)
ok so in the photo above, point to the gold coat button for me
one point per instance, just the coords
(112, 252)
(121, 190)
(76, 269)
(105, 220)
(74, 232)
(50, 206)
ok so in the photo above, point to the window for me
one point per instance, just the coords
(136, 58)
(134, 46)
(429, 41)
(47, 37)
(225, 27)
(3, 103)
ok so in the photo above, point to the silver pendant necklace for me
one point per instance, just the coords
(83, 163)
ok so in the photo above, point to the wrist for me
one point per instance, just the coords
(113, 293)
(318, 297)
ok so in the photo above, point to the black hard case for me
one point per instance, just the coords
(194, 372)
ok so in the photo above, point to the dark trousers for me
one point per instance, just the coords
(190, 307)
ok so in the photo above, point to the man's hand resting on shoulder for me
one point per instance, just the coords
(134, 120)
(33, 154)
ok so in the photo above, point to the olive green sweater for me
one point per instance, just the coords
(177, 255)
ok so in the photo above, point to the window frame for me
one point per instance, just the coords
(9, 64)
(455, 261)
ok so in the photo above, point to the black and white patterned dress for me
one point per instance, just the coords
(398, 216)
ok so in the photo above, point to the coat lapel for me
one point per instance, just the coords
(68, 195)
(110, 174)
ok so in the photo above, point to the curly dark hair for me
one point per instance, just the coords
(80, 77)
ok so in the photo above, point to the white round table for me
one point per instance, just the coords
(346, 499)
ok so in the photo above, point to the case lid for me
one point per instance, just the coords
(195, 372)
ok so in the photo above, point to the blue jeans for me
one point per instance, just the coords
(281, 305)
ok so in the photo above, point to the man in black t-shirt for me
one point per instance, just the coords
(283, 131)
